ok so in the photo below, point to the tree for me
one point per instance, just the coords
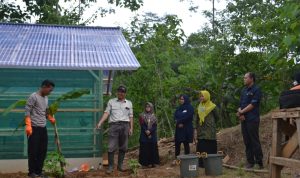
(290, 19)
(156, 44)
(52, 12)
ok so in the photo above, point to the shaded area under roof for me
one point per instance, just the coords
(64, 47)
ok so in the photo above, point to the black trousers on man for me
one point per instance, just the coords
(37, 149)
(186, 148)
(251, 140)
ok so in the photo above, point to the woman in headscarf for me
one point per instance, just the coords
(206, 126)
(148, 138)
(184, 125)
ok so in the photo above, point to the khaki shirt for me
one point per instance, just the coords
(119, 110)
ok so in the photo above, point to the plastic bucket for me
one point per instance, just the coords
(213, 164)
(188, 165)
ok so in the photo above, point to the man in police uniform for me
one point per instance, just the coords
(120, 121)
(248, 113)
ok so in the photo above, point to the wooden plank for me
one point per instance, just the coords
(63, 110)
(245, 169)
(286, 114)
(293, 114)
(285, 110)
(276, 115)
(275, 170)
(298, 127)
(286, 162)
(291, 146)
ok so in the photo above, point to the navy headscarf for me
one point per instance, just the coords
(184, 111)
(184, 115)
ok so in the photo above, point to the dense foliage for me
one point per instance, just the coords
(258, 36)
(262, 36)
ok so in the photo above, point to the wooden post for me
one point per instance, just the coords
(100, 106)
(281, 155)
(275, 151)
(298, 128)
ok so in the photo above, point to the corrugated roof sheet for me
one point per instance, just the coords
(64, 47)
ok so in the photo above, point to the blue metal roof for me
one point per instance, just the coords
(64, 47)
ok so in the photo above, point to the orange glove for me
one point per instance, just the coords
(28, 128)
(51, 119)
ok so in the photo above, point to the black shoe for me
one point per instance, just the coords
(32, 175)
(249, 166)
(109, 171)
(110, 163)
(121, 169)
(260, 166)
(121, 157)
(41, 175)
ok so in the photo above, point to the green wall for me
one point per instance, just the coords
(76, 129)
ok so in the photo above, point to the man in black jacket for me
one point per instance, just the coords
(248, 113)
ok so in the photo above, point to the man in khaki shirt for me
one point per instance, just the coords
(120, 121)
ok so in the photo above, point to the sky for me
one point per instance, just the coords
(191, 21)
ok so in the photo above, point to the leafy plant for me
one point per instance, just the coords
(240, 171)
(20, 103)
(14, 105)
(55, 161)
(52, 164)
(52, 108)
(70, 95)
(133, 165)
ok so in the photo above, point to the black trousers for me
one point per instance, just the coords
(186, 148)
(251, 140)
(207, 146)
(37, 149)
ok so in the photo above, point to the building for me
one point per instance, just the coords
(74, 57)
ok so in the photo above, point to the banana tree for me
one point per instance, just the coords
(53, 108)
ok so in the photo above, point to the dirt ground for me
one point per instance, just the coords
(230, 141)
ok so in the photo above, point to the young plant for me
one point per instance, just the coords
(52, 108)
(56, 157)
(133, 165)
(240, 171)
(52, 164)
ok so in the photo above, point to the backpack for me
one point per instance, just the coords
(289, 99)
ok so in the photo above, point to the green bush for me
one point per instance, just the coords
(133, 165)
(54, 164)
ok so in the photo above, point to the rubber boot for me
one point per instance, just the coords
(120, 161)
(110, 163)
